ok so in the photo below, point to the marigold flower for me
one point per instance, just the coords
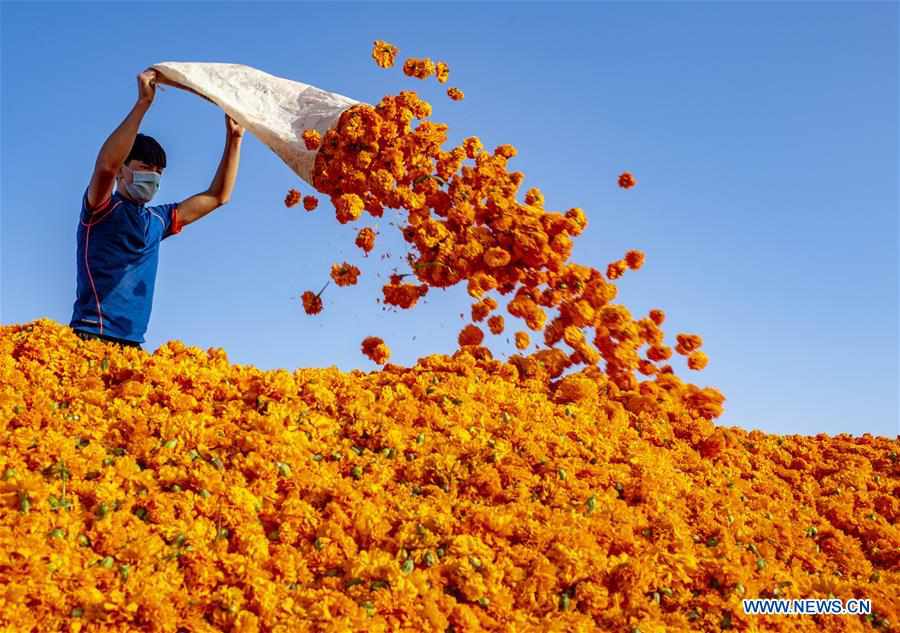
(687, 343)
(292, 198)
(403, 295)
(418, 68)
(577, 221)
(534, 197)
(473, 147)
(506, 151)
(482, 308)
(626, 180)
(344, 274)
(706, 403)
(442, 70)
(312, 303)
(697, 360)
(657, 316)
(496, 257)
(616, 269)
(456, 94)
(348, 207)
(312, 139)
(634, 259)
(376, 350)
(365, 239)
(310, 202)
(575, 389)
(384, 53)
(659, 353)
(471, 335)
(523, 340)
(495, 324)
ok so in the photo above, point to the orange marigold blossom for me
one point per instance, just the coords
(471, 335)
(312, 139)
(365, 239)
(495, 324)
(687, 343)
(403, 295)
(616, 269)
(697, 360)
(292, 198)
(344, 274)
(348, 207)
(523, 340)
(384, 53)
(312, 303)
(534, 197)
(310, 202)
(634, 259)
(626, 180)
(456, 94)
(483, 308)
(442, 70)
(419, 68)
(376, 350)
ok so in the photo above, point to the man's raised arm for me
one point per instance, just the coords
(116, 148)
(222, 185)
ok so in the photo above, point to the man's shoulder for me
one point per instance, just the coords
(103, 210)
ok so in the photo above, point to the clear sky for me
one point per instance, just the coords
(763, 137)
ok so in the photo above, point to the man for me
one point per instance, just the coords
(119, 235)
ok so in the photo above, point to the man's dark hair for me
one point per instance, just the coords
(146, 149)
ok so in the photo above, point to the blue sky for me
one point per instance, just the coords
(763, 137)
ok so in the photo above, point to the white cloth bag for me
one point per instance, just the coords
(275, 110)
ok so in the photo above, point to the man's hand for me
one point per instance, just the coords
(147, 81)
(235, 130)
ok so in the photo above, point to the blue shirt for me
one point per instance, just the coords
(117, 258)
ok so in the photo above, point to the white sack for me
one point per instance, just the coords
(275, 110)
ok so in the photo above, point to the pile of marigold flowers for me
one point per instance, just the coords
(174, 491)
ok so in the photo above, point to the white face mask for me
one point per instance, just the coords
(143, 185)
